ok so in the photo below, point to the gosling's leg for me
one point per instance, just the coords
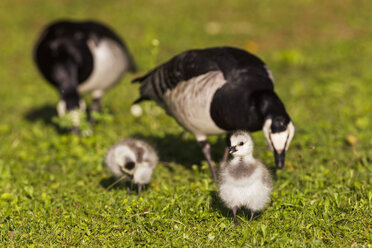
(235, 209)
(252, 214)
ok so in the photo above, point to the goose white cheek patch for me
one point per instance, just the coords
(279, 140)
(291, 130)
(266, 131)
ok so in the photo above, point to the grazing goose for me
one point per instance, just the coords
(134, 158)
(211, 91)
(81, 57)
(243, 180)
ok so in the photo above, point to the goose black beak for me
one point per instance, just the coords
(279, 159)
(232, 149)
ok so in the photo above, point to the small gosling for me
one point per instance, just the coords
(243, 180)
(134, 158)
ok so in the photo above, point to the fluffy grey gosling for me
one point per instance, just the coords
(243, 180)
(133, 158)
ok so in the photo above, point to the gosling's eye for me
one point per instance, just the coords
(241, 143)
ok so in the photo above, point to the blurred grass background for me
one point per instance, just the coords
(52, 185)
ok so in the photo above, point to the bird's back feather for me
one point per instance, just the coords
(236, 65)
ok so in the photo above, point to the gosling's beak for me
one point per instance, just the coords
(279, 159)
(232, 149)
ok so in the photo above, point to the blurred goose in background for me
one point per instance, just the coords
(132, 158)
(215, 90)
(243, 180)
(81, 57)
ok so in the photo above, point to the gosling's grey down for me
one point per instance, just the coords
(243, 180)
(134, 158)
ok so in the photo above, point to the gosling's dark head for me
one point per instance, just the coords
(128, 167)
(125, 160)
(279, 131)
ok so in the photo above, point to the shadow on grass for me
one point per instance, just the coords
(186, 152)
(131, 188)
(45, 114)
(273, 170)
(217, 204)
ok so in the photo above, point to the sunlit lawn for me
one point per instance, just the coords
(53, 185)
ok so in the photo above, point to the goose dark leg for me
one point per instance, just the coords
(96, 107)
(227, 144)
(235, 209)
(139, 189)
(225, 155)
(206, 149)
(96, 104)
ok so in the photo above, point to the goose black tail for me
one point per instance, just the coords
(138, 80)
(140, 99)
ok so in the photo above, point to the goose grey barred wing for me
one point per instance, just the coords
(167, 76)
(237, 66)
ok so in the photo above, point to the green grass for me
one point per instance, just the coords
(53, 185)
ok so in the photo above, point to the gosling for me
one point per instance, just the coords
(243, 180)
(132, 159)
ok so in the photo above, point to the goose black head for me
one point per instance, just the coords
(279, 131)
(62, 64)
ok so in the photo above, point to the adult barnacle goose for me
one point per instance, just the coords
(81, 57)
(214, 90)
(243, 180)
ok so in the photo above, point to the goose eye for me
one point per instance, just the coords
(241, 143)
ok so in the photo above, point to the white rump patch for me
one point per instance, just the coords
(109, 63)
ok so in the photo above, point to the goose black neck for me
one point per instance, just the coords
(269, 105)
(65, 76)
